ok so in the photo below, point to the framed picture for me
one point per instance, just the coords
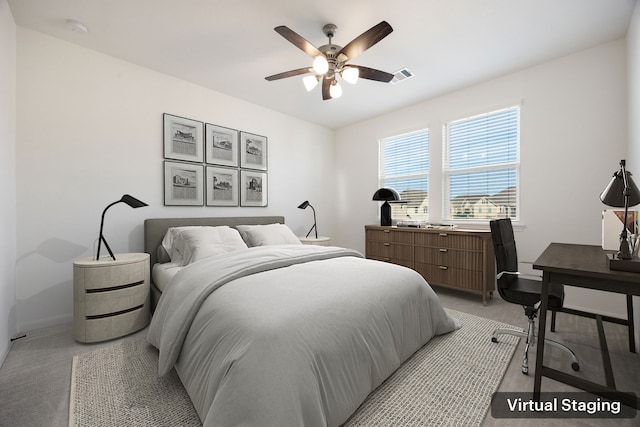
(221, 146)
(222, 186)
(253, 151)
(183, 184)
(253, 188)
(183, 139)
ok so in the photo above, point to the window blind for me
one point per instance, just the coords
(480, 166)
(404, 166)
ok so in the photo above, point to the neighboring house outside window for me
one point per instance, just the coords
(404, 166)
(481, 161)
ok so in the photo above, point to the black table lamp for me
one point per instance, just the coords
(304, 205)
(622, 193)
(386, 195)
(131, 201)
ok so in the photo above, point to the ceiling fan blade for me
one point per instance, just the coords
(373, 74)
(365, 40)
(326, 89)
(290, 73)
(298, 41)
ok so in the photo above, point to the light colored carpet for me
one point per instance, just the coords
(447, 382)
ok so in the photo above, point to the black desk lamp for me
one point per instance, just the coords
(386, 195)
(131, 201)
(622, 193)
(304, 205)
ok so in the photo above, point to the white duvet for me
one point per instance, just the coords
(290, 335)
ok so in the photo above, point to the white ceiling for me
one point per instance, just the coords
(230, 46)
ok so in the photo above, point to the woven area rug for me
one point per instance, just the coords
(448, 382)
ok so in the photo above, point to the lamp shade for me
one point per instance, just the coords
(386, 194)
(350, 75)
(613, 194)
(335, 90)
(132, 201)
(310, 82)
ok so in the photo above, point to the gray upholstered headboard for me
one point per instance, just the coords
(155, 228)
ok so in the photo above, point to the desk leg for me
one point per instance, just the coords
(630, 326)
(542, 326)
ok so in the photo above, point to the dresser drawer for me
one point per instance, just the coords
(449, 240)
(450, 276)
(113, 276)
(455, 258)
(112, 301)
(380, 250)
(389, 236)
(100, 329)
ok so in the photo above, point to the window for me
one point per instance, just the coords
(480, 166)
(404, 166)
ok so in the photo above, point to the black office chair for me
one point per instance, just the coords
(526, 292)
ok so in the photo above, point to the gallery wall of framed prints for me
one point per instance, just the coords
(211, 165)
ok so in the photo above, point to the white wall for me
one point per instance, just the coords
(573, 135)
(89, 129)
(8, 326)
(633, 149)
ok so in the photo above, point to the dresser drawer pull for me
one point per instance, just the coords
(386, 231)
(442, 234)
(443, 250)
(117, 313)
(386, 259)
(114, 288)
(387, 244)
(443, 267)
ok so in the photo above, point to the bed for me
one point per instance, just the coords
(278, 333)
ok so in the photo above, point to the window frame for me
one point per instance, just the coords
(447, 172)
(383, 180)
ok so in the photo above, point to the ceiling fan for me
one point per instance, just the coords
(331, 60)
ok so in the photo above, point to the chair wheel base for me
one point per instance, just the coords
(525, 371)
(575, 366)
(494, 339)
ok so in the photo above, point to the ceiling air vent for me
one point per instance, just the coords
(401, 75)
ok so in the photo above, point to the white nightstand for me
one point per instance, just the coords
(110, 298)
(319, 241)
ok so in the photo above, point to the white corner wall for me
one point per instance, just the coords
(8, 327)
(573, 135)
(633, 148)
(89, 129)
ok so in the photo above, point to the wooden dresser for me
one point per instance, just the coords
(455, 258)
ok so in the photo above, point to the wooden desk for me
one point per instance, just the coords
(584, 266)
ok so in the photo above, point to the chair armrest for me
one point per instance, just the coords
(515, 273)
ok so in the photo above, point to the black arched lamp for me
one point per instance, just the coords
(129, 200)
(387, 195)
(304, 205)
(622, 193)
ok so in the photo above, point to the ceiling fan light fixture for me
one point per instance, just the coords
(310, 82)
(350, 75)
(331, 60)
(320, 64)
(335, 90)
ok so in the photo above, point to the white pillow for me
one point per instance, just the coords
(168, 242)
(271, 234)
(190, 244)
